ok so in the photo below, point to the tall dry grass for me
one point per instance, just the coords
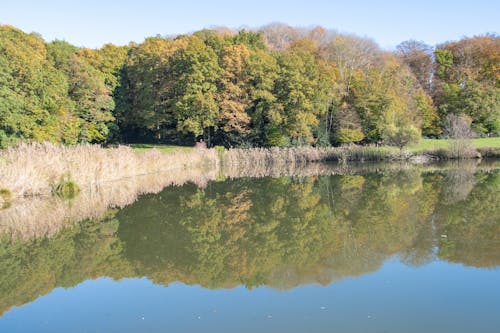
(114, 178)
(286, 156)
(35, 169)
(276, 156)
(43, 216)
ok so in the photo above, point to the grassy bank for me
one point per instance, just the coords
(451, 149)
(144, 147)
(435, 144)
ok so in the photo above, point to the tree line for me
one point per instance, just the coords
(275, 86)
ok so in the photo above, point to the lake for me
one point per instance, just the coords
(331, 248)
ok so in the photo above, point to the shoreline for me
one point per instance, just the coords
(45, 215)
(39, 169)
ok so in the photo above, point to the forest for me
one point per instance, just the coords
(273, 86)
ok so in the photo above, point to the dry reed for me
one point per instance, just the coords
(287, 156)
(43, 216)
(35, 169)
(114, 178)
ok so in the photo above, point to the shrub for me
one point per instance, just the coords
(462, 149)
(66, 189)
(347, 135)
(402, 136)
(458, 128)
(5, 196)
(489, 152)
(220, 150)
(5, 193)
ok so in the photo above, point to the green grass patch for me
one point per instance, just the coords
(67, 189)
(142, 147)
(435, 144)
(487, 142)
(5, 193)
(5, 196)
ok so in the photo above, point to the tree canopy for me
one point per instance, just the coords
(274, 86)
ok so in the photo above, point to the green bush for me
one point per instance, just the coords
(401, 136)
(220, 150)
(348, 135)
(66, 189)
(5, 196)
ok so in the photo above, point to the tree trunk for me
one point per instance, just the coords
(209, 144)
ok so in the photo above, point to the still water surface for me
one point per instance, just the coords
(409, 250)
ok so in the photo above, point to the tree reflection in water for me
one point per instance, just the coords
(280, 232)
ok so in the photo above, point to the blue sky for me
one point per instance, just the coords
(92, 23)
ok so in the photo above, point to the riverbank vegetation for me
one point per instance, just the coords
(44, 168)
(273, 86)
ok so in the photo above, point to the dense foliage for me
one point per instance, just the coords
(277, 86)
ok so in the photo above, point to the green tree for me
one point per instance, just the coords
(401, 136)
(467, 81)
(195, 69)
(93, 101)
(303, 89)
(144, 97)
(233, 95)
(264, 111)
(33, 94)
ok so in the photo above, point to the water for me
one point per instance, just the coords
(382, 249)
